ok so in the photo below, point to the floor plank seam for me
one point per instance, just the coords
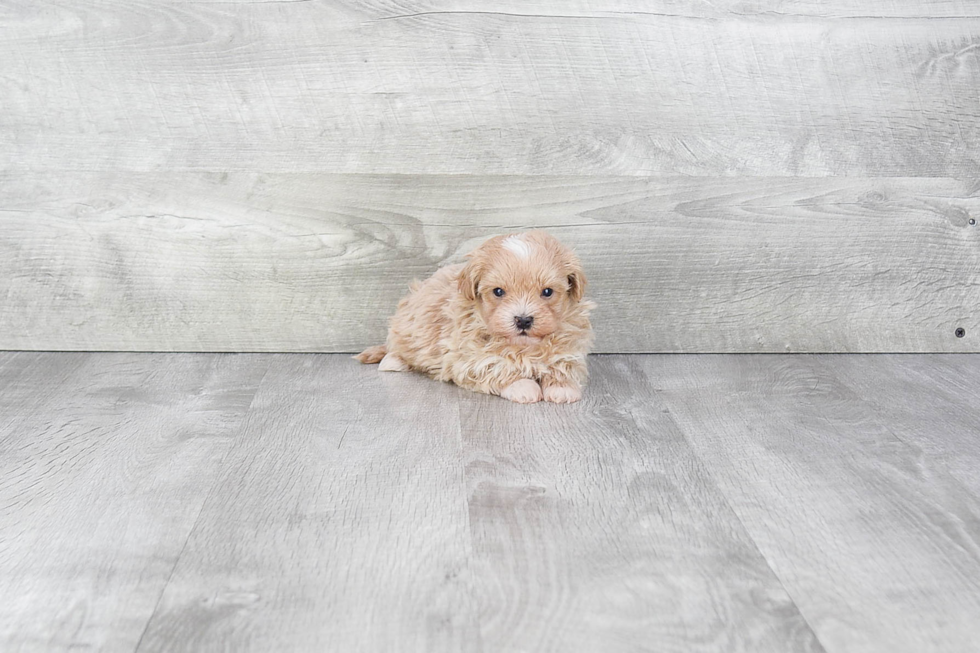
(470, 544)
(738, 518)
(163, 590)
(197, 518)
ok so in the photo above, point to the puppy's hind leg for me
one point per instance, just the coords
(372, 355)
(392, 363)
(389, 362)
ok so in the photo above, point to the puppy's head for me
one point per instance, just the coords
(523, 285)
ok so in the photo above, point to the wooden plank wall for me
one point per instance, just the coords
(738, 175)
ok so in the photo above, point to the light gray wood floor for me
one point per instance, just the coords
(300, 502)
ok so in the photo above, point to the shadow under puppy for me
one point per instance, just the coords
(512, 321)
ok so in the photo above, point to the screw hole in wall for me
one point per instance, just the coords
(960, 332)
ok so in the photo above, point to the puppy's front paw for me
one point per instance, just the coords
(562, 394)
(525, 391)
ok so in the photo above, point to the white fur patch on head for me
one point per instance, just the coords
(517, 245)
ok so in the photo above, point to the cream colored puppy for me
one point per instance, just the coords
(512, 321)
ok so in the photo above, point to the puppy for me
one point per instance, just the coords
(512, 321)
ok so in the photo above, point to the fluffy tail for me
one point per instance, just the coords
(372, 355)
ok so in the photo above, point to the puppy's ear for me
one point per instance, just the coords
(576, 282)
(469, 280)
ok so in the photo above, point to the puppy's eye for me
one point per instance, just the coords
(547, 292)
(499, 292)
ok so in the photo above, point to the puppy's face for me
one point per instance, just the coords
(523, 285)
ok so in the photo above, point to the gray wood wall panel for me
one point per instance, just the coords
(739, 176)
(242, 261)
(491, 88)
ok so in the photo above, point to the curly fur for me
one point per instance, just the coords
(453, 327)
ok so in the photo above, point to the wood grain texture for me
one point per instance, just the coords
(873, 538)
(595, 527)
(615, 87)
(256, 262)
(691, 503)
(105, 461)
(943, 421)
(339, 524)
(268, 176)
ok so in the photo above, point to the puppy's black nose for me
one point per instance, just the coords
(523, 322)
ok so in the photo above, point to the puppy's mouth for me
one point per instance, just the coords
(524, 336)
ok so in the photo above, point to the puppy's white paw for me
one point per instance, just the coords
(525, 391)
(562, 394)
(391, 363)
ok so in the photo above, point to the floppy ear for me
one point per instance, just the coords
(576, 282)
(469, 280)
